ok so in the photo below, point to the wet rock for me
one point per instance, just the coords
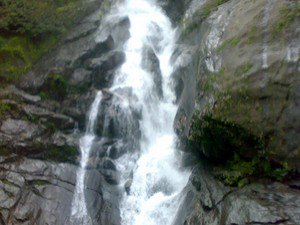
(150, 63)
(108, 165)
(209, 202)
(103, 68)
(127, 186)
(81, 78)
(111, 176)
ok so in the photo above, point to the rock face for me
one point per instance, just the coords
(42, 119)
(246, 65)
(238, 62)
(207, 201)
(235, 60)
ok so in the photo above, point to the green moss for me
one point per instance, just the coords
(238, 172)
(37, 18)
(62, 154)
(251, 35)
(4, 108)
(29, 29)
(56, 87)
(18, 54)
(211, 80)
(39, 182)
(233, 42)
(211, 6)
(288, 16)
(243, 69)
(43, 95)
(9, 194)
(219, 140)
(4, 151)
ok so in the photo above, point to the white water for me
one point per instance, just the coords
(79, 213)
(157, 178)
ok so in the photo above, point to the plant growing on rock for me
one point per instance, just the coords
(236, 155)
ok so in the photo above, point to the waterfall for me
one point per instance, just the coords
(143, 86)
(79, 213)
(154, 175)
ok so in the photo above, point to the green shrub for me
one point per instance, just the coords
(4, 108)
(56, 87)
(218, 140)
(62, 154)
(29, 29)
(36, 18)
(18, 54)
(237, 155)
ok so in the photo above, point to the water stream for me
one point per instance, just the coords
(156, 178)
(153, 171)
(79, 213)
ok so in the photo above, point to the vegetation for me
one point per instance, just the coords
(238, 155)
(288, 16)
(251, 35)
(204, 12)
(210, 6)
(29, 29)
(233, 42)
(4, 151)
(62, 154)
(19, 53)
(37, 18)
(56, 87)
(4, 107)
(219, 140)
(39, 182)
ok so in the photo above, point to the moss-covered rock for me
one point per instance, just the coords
(247, 76)
(219, 140)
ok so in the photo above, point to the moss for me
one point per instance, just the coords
(39, 182)
(219, 140)
(233, 42)
(62, 154)
(43, 95)
(18, 54)
(4, 108)
(193, 24)
(211, 6)
(37, 18)
(29, 29)
(4, 151)
(287, 17)
(251, 35)
(238, 172)
(9, 194)
(243, 69)
(56, 87)
(50, 125)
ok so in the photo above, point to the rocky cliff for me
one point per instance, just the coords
(238, 90)
(237, 74)
(42, 116)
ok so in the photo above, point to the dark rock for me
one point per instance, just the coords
(127, 186)
(207, 201)
(111, 176)
(150, 63)
(108, 165)
(103, 68)
(80, 78)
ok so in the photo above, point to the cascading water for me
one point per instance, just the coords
(156, 179)
(79, 213)
(142, 84)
